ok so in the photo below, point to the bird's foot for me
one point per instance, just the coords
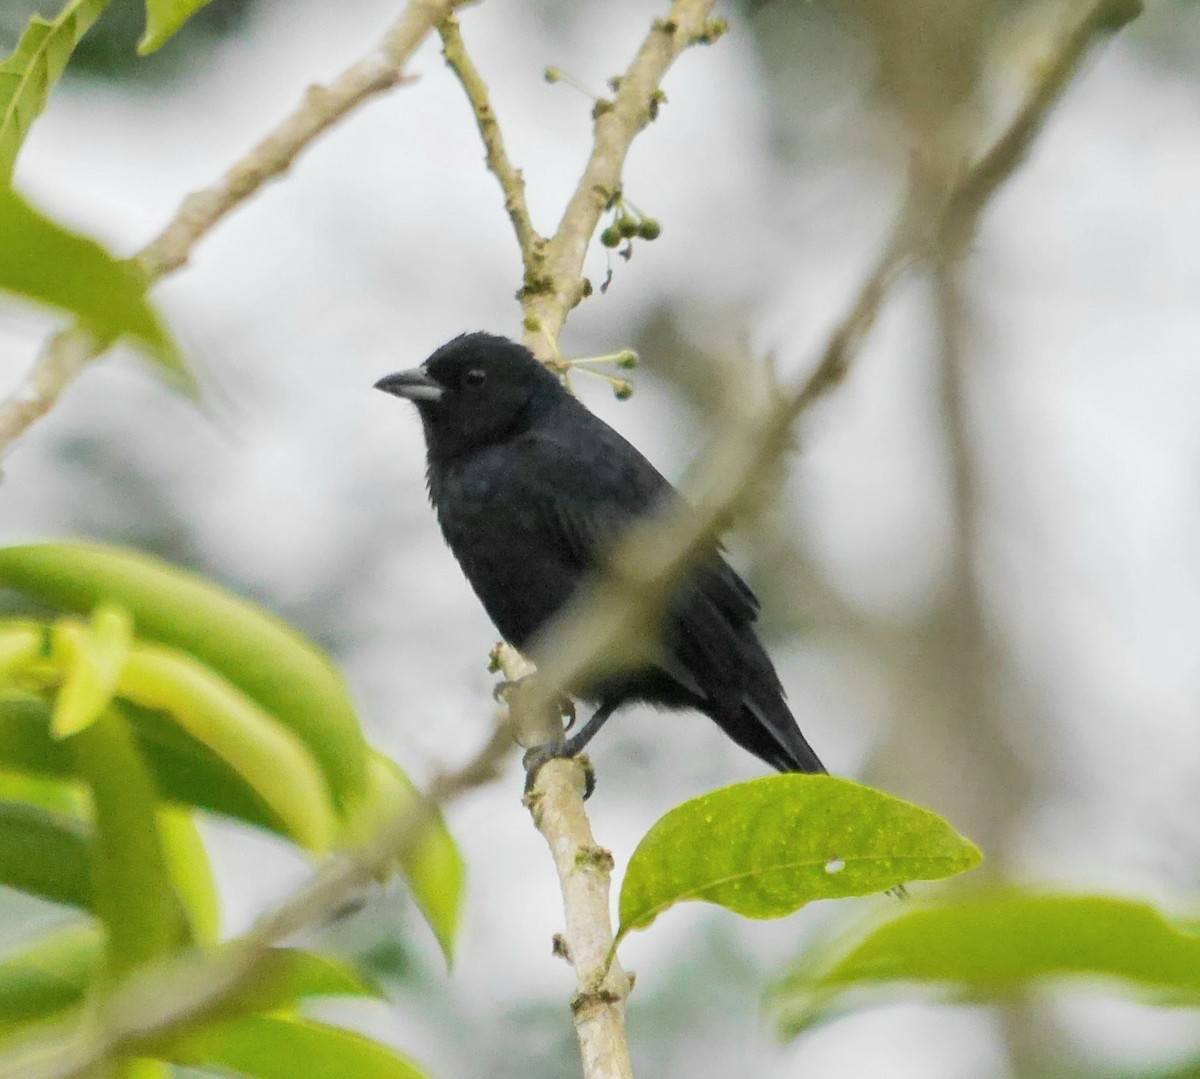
(538, 756)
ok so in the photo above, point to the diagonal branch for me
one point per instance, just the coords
(512, 183)
(69, 351)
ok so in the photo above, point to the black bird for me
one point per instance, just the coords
(531, 489)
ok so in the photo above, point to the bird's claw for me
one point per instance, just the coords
(538, 756)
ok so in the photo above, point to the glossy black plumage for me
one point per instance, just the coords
(530, 488)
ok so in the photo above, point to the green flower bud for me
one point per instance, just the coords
(611, 236)
(649, 229)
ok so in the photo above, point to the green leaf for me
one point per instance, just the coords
(20, 645)
(185, 771)
(163, 20)
(45, 854)
(270, 1047)
(266, 659)
(264, 752)
(289, 975)
(92, 658)
(50, 975)
(30, 72)
(45, 262)
(190, 872)
(434, 868)
(134, 895)
(988, 945)
(765, 848)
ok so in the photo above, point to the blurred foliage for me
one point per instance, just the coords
(110, 49)
(991, 946)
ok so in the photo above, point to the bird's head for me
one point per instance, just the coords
(475, 390)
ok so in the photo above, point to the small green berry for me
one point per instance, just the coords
(622, 389)
(649, 229)
(626, 358)
(552, 75)
(611, 236)
(627, 227)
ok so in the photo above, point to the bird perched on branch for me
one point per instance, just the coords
(531, 490)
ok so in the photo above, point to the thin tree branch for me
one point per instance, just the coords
(512, 183)
(144, 1010)
(584, 874)
(559, 284)
(69, 351)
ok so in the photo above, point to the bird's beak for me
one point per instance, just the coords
(416, 385)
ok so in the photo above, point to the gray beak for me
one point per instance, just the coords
(416, 385)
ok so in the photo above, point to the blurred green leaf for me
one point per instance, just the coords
(163, 19)
(28, 75)
(141, 1068)
(766, 847)
(988, 945)
(91, 658)
(289, 975)
(268, 755)
(45, 854)
(45, 262)
(266, 659)
(185, 771)
(272, 1047)
(19, 645)
(134, 896)
(49, 975)
(434, 869)
(190, 872)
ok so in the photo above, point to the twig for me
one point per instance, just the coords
(146, 1009)
(69, 351)
(559, 284)
(512, 183)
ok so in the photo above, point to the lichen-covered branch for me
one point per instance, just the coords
(512, 183)
(69, 351)
(584, 874)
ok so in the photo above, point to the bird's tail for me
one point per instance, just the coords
(769, 731)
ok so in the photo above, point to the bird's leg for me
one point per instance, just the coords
(569, 747)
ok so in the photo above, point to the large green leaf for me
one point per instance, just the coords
(185, 771)
(163, 20)
(266, 659)
(49, 975)
(272, 1047)
(134, 893)
(30, 72)
(434, 867)
(267, 754)
(45, 854)
(765, 848)
(45, 262)
(987, 945)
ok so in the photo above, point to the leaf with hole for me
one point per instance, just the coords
(766, 847)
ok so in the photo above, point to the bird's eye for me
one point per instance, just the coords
(476, 376)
